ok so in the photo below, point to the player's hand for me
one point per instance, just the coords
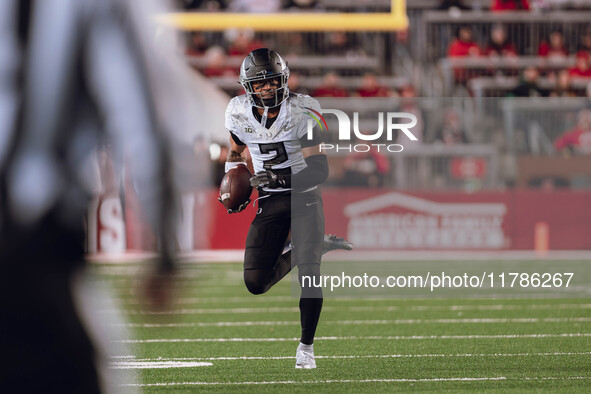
(266, 179)
(241, 208)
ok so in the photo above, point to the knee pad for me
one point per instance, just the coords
(253, 283)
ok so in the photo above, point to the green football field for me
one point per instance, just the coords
(221, 338)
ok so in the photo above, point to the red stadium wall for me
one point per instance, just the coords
(376, 219)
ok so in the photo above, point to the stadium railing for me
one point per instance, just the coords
(526, 29)
(230, 84)
(540, 121)
(505, 67)
(306, 63)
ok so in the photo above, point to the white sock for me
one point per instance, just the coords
(306, 348)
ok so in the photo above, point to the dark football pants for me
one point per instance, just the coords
(264, 263)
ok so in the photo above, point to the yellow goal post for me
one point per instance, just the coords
(396, 19)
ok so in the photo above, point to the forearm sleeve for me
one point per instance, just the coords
(314, 174)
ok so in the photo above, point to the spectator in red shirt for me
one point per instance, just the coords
(509, 5)
(585, 45)
(242, 42)
(577, 140)
(582, 68)
(563, 86)
(499, 44)
(370, 87)
(464, 45)
(331, 87)
(217, 65)
(197, 45)
(554, 47)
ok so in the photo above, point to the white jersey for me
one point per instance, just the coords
(278, 147)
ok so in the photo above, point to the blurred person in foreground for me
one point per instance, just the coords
(74, 73)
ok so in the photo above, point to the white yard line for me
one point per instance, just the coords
(215, 311)
(389, 338)
(273, 299)
(364, 322)
(318, 382)
(199, 311)
(239, 358)
(428, 380)
(158, 364)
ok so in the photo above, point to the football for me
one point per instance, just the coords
(235, 188)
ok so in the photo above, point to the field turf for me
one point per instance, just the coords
(220, 338)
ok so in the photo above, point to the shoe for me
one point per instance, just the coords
(332, 242)
(305, 359)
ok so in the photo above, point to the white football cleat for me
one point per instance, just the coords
(305, 359)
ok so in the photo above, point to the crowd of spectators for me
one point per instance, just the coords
(499, 45)
(558, 43)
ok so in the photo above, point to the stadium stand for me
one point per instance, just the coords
(548, 36)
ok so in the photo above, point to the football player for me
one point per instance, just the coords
(273, 124)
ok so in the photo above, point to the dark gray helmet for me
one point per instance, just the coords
(259, 65)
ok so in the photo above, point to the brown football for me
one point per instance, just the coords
(235, 188)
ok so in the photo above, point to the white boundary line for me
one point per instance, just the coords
(389, 338)
(191, 359)
(364, 322)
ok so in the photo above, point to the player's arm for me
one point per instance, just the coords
(235, 157)
(316, 171)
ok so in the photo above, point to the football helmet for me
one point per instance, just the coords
(260, 65)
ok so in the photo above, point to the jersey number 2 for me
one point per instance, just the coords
(280, 156)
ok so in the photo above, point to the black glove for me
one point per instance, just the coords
(241, 208)
(268, 179)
